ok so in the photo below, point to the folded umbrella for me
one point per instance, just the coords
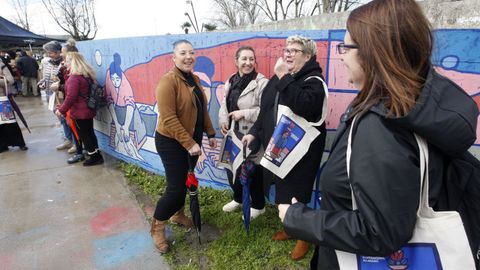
(192, 186)
(17, 110)
(246, 171)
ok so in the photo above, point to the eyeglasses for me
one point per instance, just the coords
(343, 48)
(291, 51)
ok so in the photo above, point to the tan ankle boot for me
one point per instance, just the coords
(300, 249)
(280, 236)
(158, 234)
(181, 218)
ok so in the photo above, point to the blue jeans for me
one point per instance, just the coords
(67, 132)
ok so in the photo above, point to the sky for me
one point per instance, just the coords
(122, 18)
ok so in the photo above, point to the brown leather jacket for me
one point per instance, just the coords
(177, 108)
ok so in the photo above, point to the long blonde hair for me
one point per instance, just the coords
(79, 66)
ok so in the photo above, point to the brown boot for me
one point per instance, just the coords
(300, 249)
(181, 218)
(158, 234)
(280, 236)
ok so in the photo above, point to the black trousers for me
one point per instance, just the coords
(256, 187)
(175, 159)
(86, 134)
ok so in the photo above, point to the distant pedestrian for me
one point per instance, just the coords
(10, 133)
(28, 68)
(77, 87)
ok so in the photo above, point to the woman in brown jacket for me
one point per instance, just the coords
(183, 118)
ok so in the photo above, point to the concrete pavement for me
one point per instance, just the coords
(59, 216)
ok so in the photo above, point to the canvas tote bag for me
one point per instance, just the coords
(231, 151)
(6, 111)
(439, 240)
(291, 138)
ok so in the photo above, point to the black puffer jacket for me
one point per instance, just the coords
(304, 98)
(385, 175)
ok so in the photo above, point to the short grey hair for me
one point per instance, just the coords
(52, 46)
(309, 46)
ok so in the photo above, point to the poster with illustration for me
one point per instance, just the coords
(285, 138)
(6, 111)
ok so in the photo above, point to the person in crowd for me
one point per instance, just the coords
(50, 66)
(387, 53)
(12, 63)
(77, 87)
(297, 85)
(10, 133)
(28, 68)
(59, 88)
(183, 118)
(243, 92)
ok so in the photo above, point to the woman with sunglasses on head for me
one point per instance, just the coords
(241, 104)
(182, 120)
(386, 50)
(297, 84)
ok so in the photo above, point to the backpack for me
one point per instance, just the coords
(462, 180)
(96, 99)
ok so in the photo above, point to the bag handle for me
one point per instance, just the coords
(424, 178)
(324, 105)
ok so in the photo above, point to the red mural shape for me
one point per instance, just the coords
(114, 220)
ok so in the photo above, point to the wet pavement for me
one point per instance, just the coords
(59, 216)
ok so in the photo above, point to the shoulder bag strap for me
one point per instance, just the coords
(423, 149)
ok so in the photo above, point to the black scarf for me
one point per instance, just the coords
(237, 85)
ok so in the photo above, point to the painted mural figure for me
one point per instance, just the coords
(370, 207)
(127, 130)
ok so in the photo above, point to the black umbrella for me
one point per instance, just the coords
(192, 186)
(246, 170)
(17, 110)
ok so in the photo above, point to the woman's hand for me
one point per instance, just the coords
(55, 86)
(224, 129)
(280, 68)
(247, 139)
(58, 113)
(283, 208)
(212, 142)
(195, 150)
(236, 115)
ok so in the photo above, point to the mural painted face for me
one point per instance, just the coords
(356, 74)
(245, 62)
(184, 57)
(295, 57)
(116, 80)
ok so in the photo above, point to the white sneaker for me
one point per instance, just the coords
(72, 150)
(254, 213)
(231, 206)
(65, 145)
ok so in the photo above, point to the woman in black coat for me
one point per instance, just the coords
(298, 86)
(386, 51)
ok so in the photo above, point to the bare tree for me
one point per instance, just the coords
(76, 17)
(230, 13)
(21, 9)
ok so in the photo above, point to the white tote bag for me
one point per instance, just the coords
(231, 151)
(291, 138)
(438, 242)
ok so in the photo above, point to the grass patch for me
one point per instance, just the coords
(225, 243)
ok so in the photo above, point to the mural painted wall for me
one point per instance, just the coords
(131, 67)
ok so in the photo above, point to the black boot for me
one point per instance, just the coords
(93, 159)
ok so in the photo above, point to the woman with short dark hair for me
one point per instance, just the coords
(182, 120)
